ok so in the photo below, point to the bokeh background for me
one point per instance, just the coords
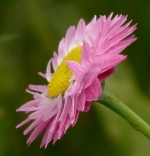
(30, 31)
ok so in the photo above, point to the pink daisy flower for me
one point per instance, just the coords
(86, 56)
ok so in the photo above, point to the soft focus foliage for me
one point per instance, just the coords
(30, 31)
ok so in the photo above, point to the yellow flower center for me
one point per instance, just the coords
(60, 79)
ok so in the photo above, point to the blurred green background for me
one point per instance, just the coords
(30, 31)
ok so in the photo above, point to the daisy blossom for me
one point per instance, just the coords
(87, 55)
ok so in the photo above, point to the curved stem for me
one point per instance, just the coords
(110, 101)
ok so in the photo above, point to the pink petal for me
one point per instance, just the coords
(61, 45)
(36, 122)
(94, 91)
(23, 122)
(87, 57)
(106, 74)
(81, 101)
(69, 36)
(41, 74)
(39, 88)
(64, 114)
(81, 28)
(89, 26)
(87, 106)
(53, 108)
(75, 89)
(77, 69)
(54, 61)
(29, 104)
(37, 130)
(48, 71)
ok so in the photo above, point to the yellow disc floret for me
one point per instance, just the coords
(60, 79)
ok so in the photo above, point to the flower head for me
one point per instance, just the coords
(86, 56)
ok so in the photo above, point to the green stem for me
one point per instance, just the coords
(110, 101)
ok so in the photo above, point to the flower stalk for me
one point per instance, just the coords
(110, 101)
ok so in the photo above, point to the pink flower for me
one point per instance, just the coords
(86, 56)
